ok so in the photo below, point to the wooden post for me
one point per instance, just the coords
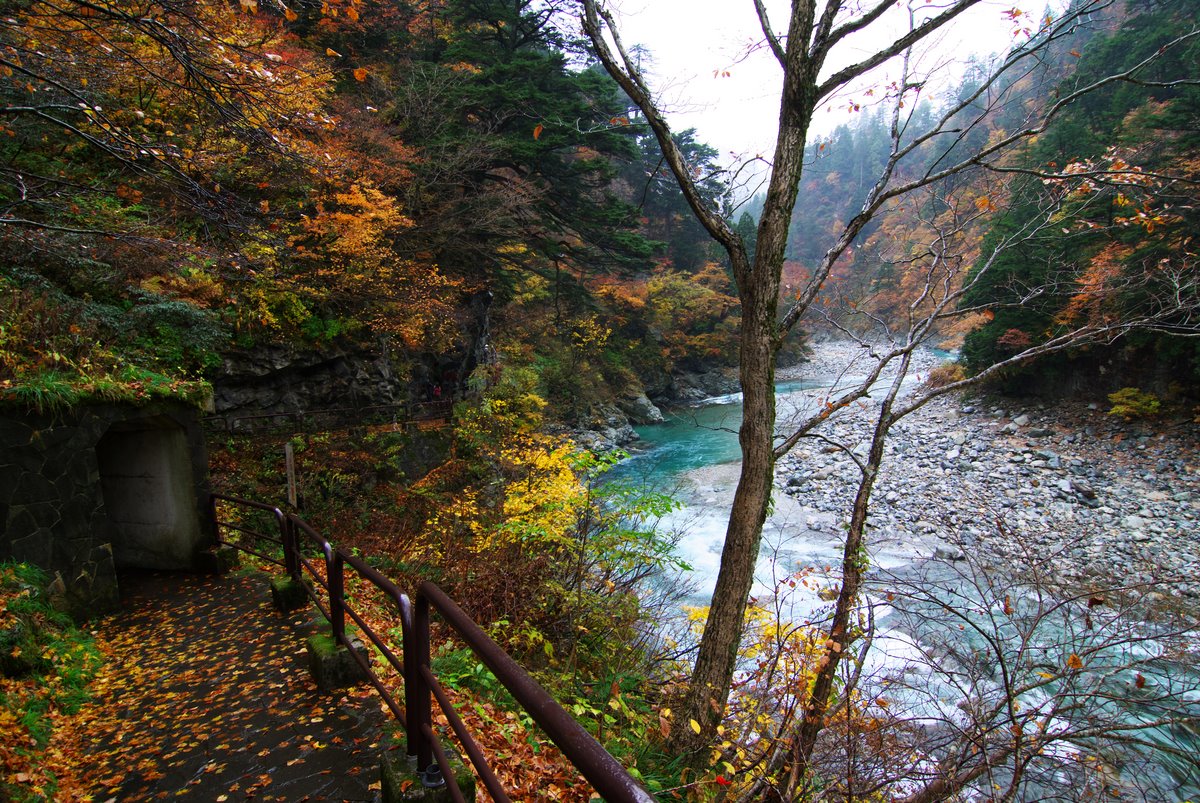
(289, 459)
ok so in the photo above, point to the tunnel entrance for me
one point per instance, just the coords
(149, 494)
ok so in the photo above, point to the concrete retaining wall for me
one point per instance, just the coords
(102, 487)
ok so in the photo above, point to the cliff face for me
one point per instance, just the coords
(293, 378)
(286, 379)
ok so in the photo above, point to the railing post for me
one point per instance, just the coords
(417, 693)
(291, 547)
(335, 569)
(408, 633)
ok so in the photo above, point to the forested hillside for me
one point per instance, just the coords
(1127, 232)
(460, 200)
(185, 180)
(1134, 216)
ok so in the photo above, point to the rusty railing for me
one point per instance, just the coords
(611, 780)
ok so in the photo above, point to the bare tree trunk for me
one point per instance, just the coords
(716, 660)
(758, 288)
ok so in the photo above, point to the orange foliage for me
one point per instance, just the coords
(171, 107)
(1098, 286)
(347, 247)
(1015, 340)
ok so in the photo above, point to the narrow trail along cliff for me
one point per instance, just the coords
(206, 695)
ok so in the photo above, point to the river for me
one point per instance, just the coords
(695, 456)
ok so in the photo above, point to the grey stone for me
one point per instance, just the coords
(332, 665)
(1133, 522)
(1083, 489)
(288, 594)
(15, 433)
(949, 552)
(640, 409)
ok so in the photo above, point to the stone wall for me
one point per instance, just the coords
(102, 487)
(279, 379)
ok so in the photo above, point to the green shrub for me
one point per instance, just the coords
(1131, 403)
(45, 391)
(46, 667)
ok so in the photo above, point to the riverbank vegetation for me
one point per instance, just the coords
(564, 567)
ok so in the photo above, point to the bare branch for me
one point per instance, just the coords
(625, 72)
(881, 194)
(847, 74)
(772, 40)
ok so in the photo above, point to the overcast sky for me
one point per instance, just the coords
(695, 42)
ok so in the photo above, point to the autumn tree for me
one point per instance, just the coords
(139, 140)
(810, 54)
(175, 92)
(1131, 211)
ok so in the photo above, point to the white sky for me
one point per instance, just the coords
(690, 40)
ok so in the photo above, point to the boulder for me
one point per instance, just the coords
(639, 409)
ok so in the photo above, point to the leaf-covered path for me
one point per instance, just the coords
(206, 695)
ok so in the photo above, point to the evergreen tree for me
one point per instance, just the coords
(517, 151)
(1115, 228)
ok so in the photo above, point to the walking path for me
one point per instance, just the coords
(206, 696)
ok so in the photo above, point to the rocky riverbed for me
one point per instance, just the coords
(1085, 494)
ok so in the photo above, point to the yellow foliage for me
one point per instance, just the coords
(542, 506)
(778, 661)
(589, 333)
(354, 226)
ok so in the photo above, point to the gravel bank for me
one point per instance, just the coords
(1089, 495)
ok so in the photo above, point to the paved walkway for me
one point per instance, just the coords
(206, 696)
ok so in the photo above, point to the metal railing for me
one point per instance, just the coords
(609, 778)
